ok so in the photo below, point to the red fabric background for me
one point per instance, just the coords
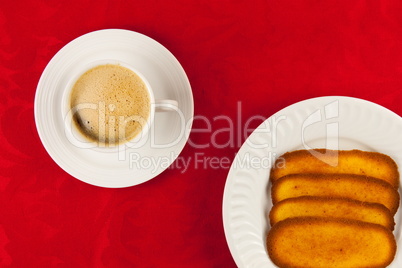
(264, 54)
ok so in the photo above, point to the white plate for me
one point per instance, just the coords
(247, 200)
(168, 81)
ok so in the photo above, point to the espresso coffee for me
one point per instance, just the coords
(111, 104)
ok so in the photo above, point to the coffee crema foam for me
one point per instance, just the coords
(111, 104)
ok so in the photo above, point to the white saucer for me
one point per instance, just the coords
(315, 123)
(168, 81)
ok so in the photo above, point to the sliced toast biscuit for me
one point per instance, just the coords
(313, 206)
(358, 162)
(357, 187)
(330, 243)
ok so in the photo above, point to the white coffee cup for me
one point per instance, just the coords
(78, 139)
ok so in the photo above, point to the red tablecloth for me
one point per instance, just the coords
(258, 55)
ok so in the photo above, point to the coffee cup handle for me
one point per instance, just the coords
(166, 105)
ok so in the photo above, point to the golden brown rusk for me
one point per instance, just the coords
(330, 243)
(335, 207)
(357, 187)
(357, 162)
